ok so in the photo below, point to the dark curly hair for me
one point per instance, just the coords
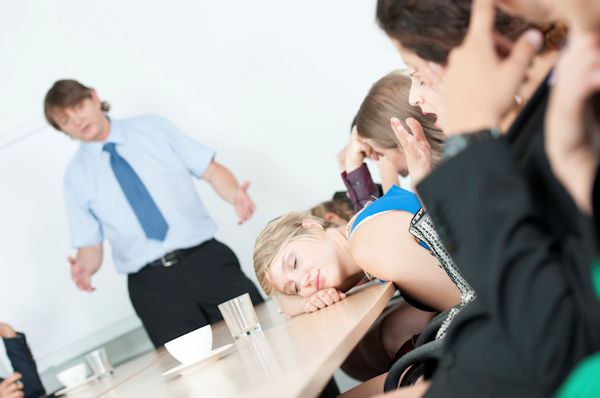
(432, 28)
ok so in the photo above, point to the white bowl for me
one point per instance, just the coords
(74, 375)
(191, 346)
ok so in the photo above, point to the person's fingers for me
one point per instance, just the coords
(523, 52)
(593, 83)
(333, 294)
(416, 130)
(411, 150)
(363, 146)
(316, 301)
(71, 260)
(326, 298)
(399, 131)
(396, 123)
(482, 19)
(245, 185)
(336, 294)
(11, 379)
(86, 283)
(242, 212)
(241, 216)
(13, 388)
(309, 307)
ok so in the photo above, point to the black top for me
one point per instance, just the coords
(524, 247)
(596, 200)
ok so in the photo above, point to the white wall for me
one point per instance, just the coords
(272, 85)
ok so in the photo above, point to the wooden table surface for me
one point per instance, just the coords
(290, 358)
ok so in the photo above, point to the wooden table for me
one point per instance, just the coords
(291, 358)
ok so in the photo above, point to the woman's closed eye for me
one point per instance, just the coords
(295, 263)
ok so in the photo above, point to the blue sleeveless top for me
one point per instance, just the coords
(394, 199)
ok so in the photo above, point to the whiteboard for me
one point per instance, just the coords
(271, 85)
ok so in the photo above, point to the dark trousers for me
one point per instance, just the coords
(172, 301)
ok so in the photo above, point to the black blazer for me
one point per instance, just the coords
(22, 361)
(521, 243)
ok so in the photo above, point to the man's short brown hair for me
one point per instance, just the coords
(64, 94)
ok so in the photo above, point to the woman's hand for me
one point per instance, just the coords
(6, 331)
(356, 151)
(416, 148)
(12, 387)
(322, 299)
(479, 85)
(572, 130)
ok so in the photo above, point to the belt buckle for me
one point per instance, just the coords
(167, 262)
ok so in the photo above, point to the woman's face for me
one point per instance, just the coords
(393, 155)
(304, 266)
(416, 63)
(426, 98)
(423, 89)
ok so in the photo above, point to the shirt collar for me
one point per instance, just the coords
(114, 135)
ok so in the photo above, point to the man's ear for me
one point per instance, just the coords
(311, 224)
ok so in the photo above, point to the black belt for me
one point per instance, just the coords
(172, 258)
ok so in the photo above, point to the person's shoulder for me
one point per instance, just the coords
(386, 223)
(395, 190)
(380, 236)
(146, 126)
(77, 160)
(143, 120)
(76, 166)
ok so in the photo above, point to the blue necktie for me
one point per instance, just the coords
(148, 214)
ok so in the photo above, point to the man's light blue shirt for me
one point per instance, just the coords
(163, 157)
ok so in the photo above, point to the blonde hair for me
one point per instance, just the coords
(276, 235)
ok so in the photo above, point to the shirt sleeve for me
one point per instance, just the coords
(194, 155)
(84, 226)
(360, 186)
(23, 362)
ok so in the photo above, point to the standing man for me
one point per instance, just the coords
(130, 183)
